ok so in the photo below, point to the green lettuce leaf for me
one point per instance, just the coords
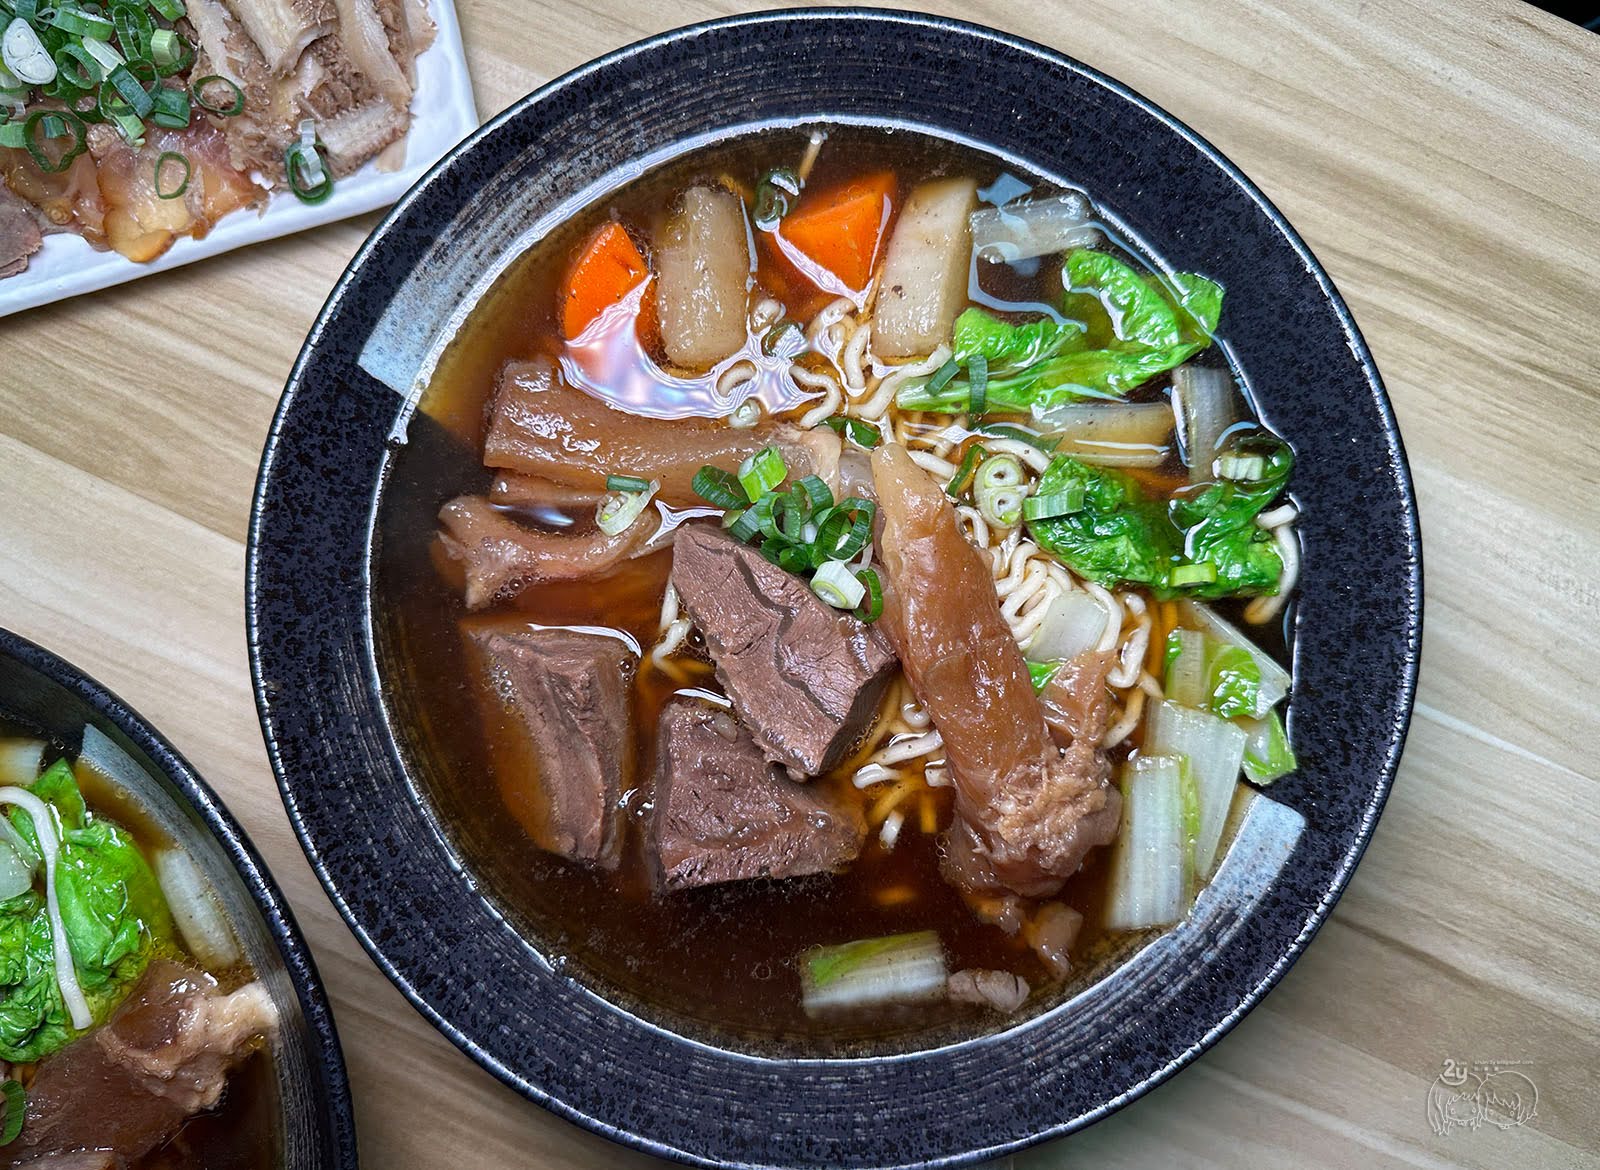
(1123, 537)
(1127, 327)
(111, 906)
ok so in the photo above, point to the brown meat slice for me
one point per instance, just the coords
(501, 557)
(127, 1087)
(556, 711)
(19, 233)
(1025, 815)
(541, 426)
(803, 677)
(724, 814)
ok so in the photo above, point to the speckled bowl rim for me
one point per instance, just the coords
(332, 1087)
(966, 1150)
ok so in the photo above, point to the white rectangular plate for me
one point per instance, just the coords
(443, 113)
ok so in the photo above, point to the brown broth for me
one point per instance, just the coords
(720, 961)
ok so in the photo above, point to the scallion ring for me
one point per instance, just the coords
(837, 584)
(172, 157)
(718, 487)
(170, 108)
(53, 124)
(962, 479)
(998, 489)
(309, 181)
(1062, 503)
(941, 376)
(626, 483)
(762, 472)
(620, 509)
(871, 607)
(1199, 573)
(234, 107)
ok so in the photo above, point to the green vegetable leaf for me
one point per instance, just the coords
(1234, 682)
(1120, 536)
(1141, 314)
(1267, 754)
(1041, 674)
(1009, 348)
(1117, 537)
(113, 911)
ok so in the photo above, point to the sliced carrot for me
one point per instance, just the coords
(607, 268)
(843, 230)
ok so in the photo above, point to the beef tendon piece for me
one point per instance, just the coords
(805, 678)
(556, 712)
(501, 557)
(19, 232)
(540, 426)
(723, 813)
(127, 1087)
(1026, 814)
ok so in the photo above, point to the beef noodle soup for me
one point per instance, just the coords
(832, 589)
(133, 1033)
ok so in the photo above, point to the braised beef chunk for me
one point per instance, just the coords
(724, 813)
(128, 1087)
(556, 712)
(803, 677)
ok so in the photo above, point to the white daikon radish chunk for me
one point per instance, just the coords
(703, 265)
(924, 281)
(1113, 434)
(20, 761)
(1039, 227)
(196, 910)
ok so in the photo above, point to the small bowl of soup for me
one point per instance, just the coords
(158, 1007)
(800, 574)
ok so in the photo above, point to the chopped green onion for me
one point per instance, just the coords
(25, 54)
(860, 433)
(868, 973)
(1041, 674)
(941, 376)
(773, 194)
(626, 483)
(998, 490)
(816, 492)
(1062, 503)
(762, 472)
(10, 132)
(1201, 573)
(871, 609)
(978, 378)
(166, 46)
(127, 86)
(171, 9)
(235, 105)
(307, 178)
(74, 21)
(171, 108)
(836, 584)
(16, 1110)
(719, 487)
(962, 479)
(746, 415)
(53, 124)
(172, 156)
(104, 54)
(134, 30)
(773, 338)
(621, 508)
(77, 66)
(844, 531)
(742, 524)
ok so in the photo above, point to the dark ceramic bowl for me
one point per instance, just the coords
(52, 699)
(352, 787)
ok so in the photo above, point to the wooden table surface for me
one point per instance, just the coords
(1442, 159)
